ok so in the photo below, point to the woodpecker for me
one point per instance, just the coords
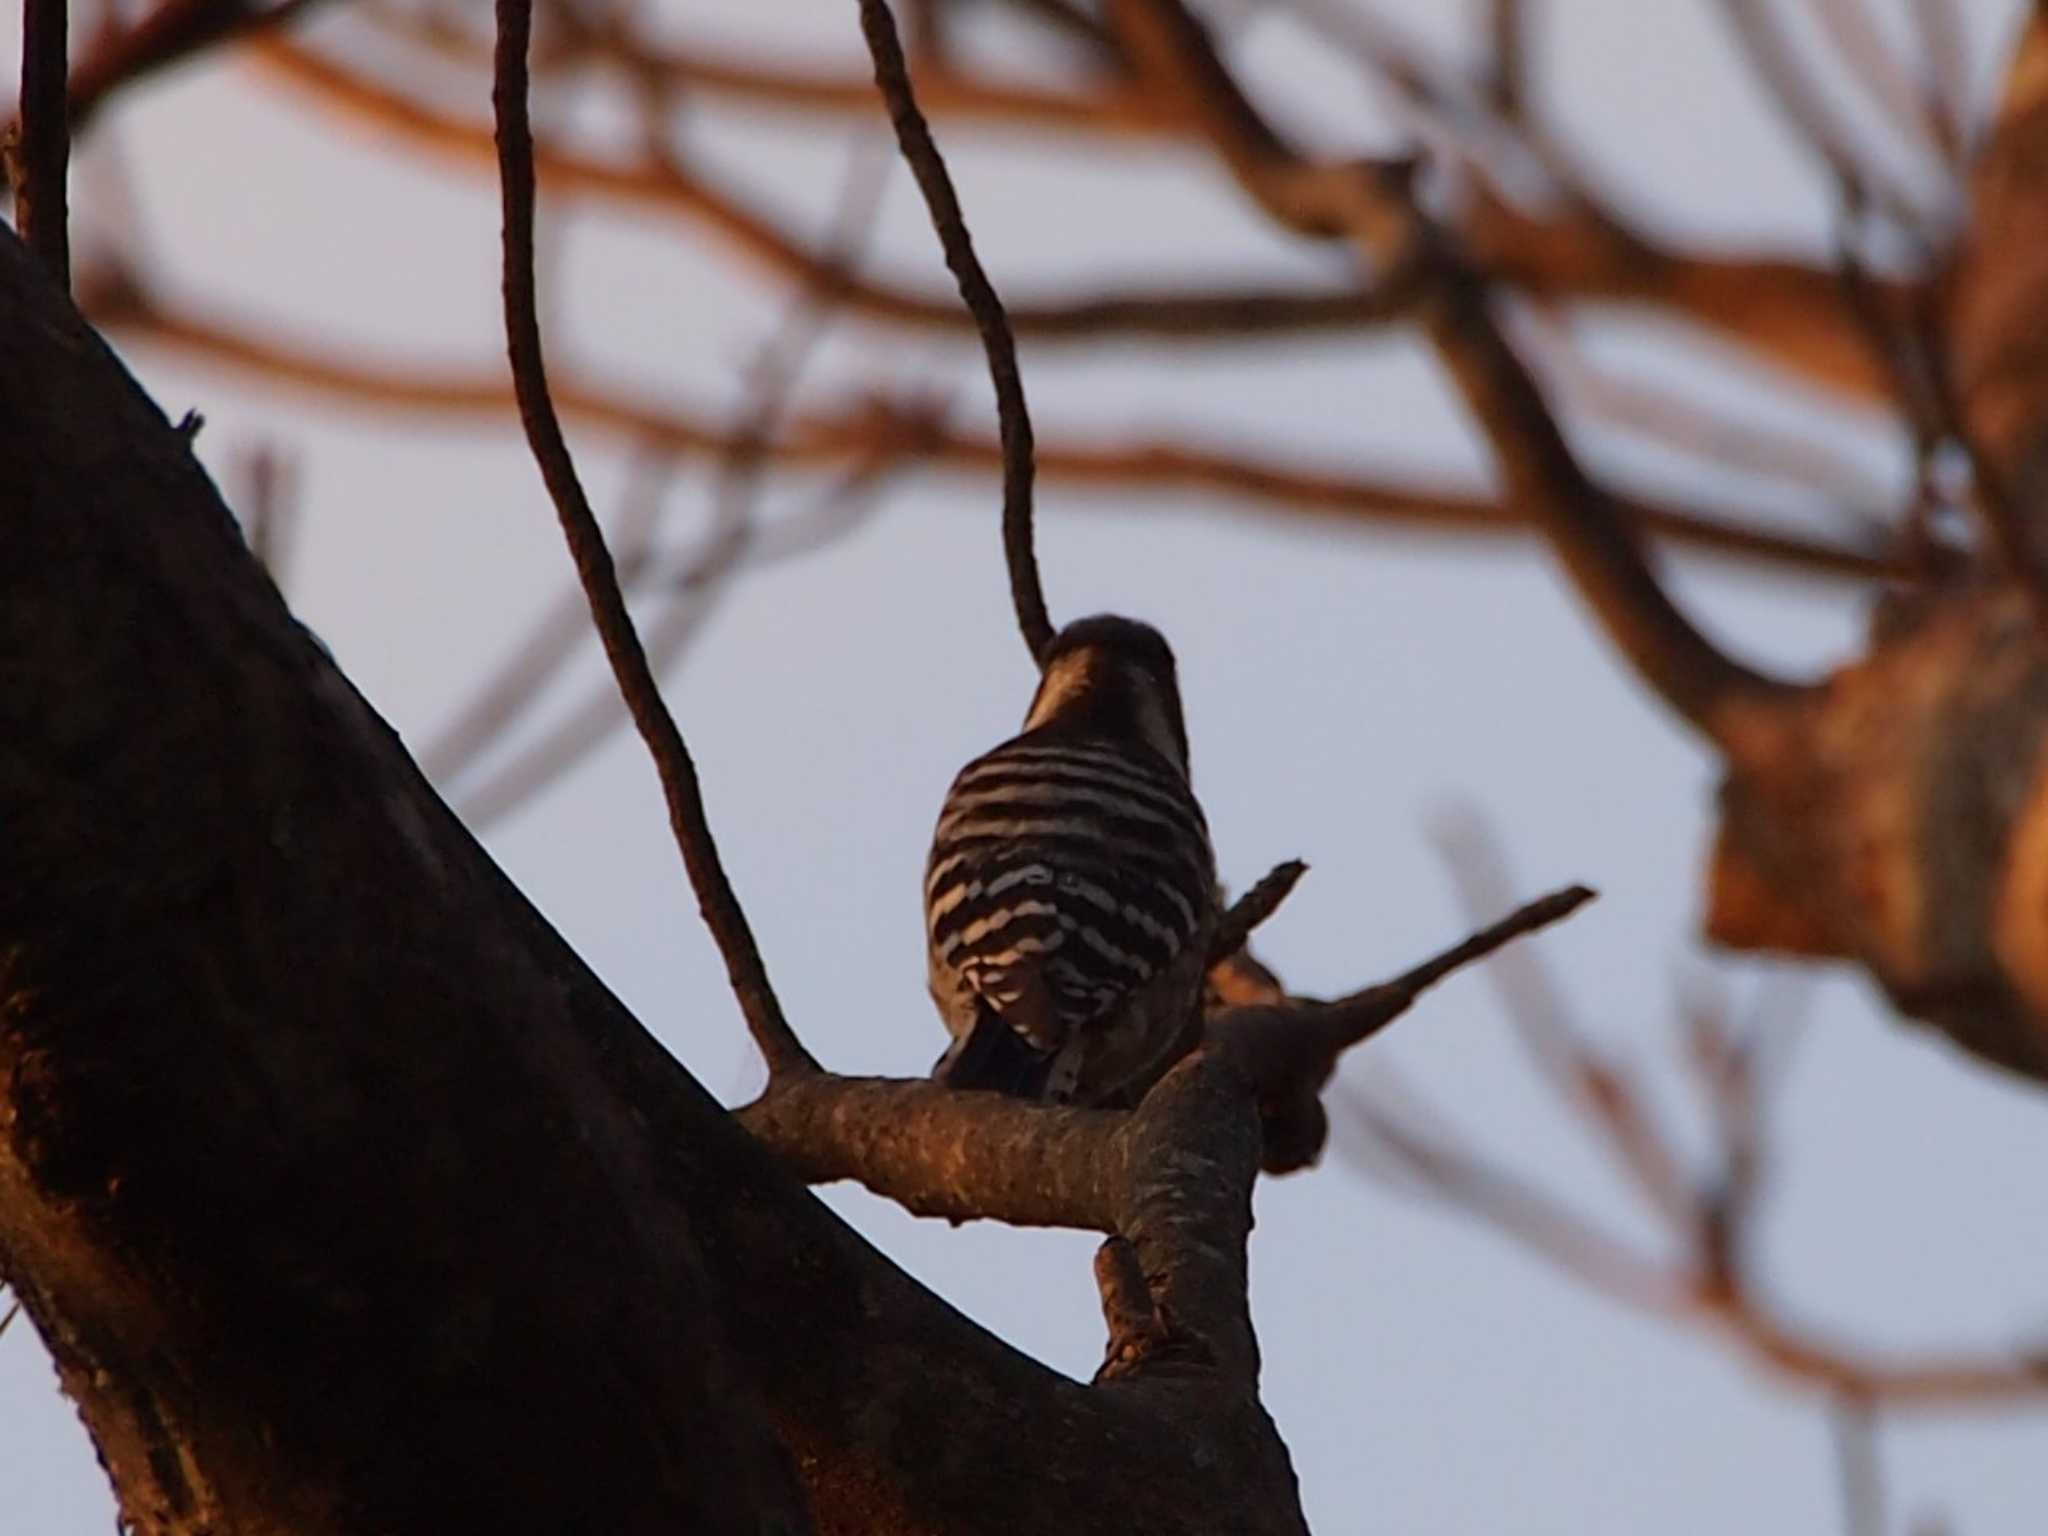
(1070, 896)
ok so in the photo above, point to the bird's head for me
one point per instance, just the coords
(1108, 676)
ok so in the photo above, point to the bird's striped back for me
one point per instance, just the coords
(1067, 872)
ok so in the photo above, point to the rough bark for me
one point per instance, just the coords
(1898, 815)
(345, 1197)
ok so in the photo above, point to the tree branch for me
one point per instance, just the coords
(1196, 311)
(969, 1156)
(1252, 909)
(914, 138)
(862, 432)
(1806, 110)
(296, 1088)
(1370, 207)
(715, 897)
(166, 35)
(41, 213)
(1105, 104)
(1710, 1219)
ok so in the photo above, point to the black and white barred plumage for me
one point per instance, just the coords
(1071, 892)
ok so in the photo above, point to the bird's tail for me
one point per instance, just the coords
(994, 1057)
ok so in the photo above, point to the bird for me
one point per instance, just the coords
(1070, 895)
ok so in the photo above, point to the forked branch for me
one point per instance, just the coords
(1372, 208)
(966, 1156)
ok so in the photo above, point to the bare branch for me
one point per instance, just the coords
(733, 541)
(1106, 105)
(1507, 37)
(1800, 101)
(1253, 908)
(1281, 1048)
(1855, 1433)
(720, 906)
(168, 34)
(269, 510)
(1369, 206)
(694, 592)
(1689, 671)
(1702, 432)
(1915, 108)
(1587, 1078)
(1711, 1219)
(668, 185)
(41, 213)
(856, 435)
(914, 138)
(1938, 29)
(1510, 1204)
(1549, 1228)
(548, 645)
(936, 1151)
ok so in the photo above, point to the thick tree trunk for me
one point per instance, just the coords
(312, 1176)
(344, 1196)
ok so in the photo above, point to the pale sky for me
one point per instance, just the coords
(1344, 689)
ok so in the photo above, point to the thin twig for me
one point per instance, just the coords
(1945, 55)
(519, 678)
(1253, 908)
(40, 212)
(1284, 1047)
(271, 508)
(1701, 431)
(734, 542)
(1527, 918)
(1436, 1163)
(1855, 1431)
(1862, 46)
(723, 915)
(1757, 29)
(697, 586)
(1584, 1075)
(921, 153)
(1710, 1218)
(1553, 1229)
(1507, 35)
(172, 31)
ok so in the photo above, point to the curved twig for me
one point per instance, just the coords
(723, 915)
(921, 154)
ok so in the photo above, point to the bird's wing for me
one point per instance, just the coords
(1063, 878)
